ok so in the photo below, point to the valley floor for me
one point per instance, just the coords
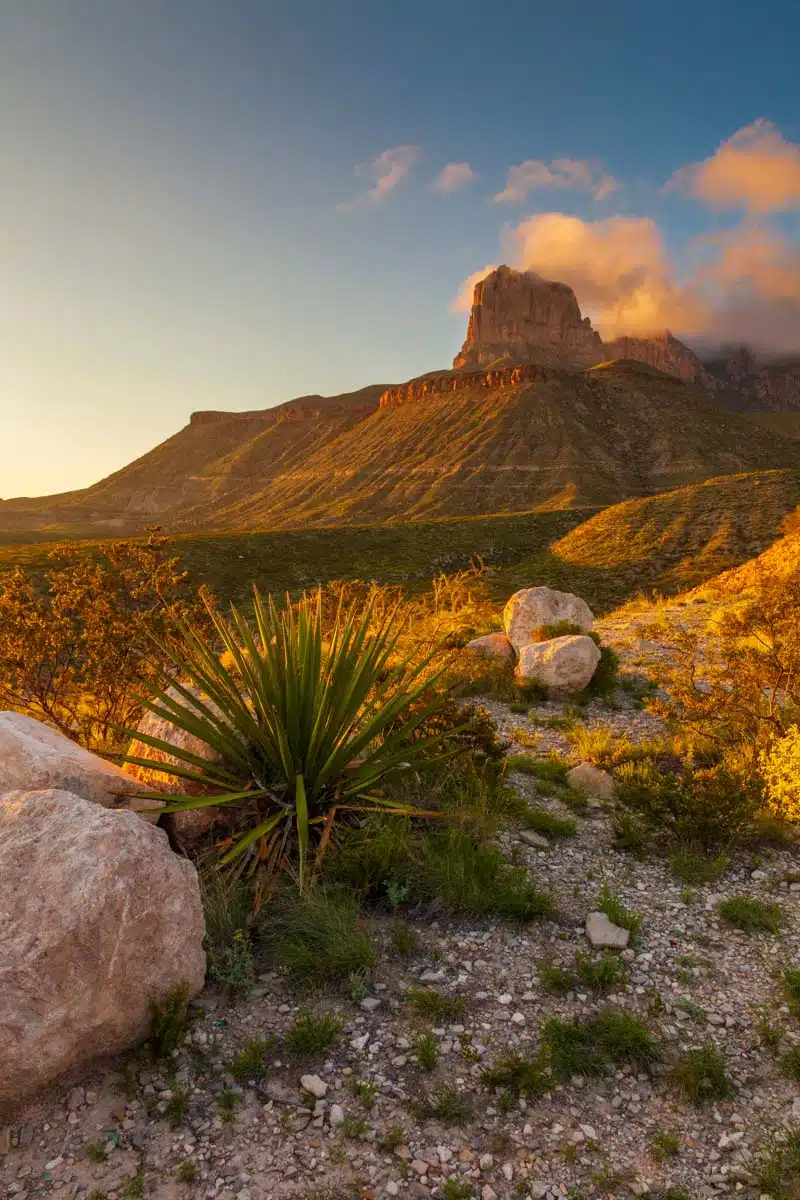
(693, 980)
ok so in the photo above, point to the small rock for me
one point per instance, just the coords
(518, 1019)
(370, 1003)
(76, 1098)
(602, 932)
(506, 998)
(336, 1115)
(530, 838)
(419, 1166)
(314, 1086)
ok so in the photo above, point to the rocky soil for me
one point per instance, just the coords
(345, 1123)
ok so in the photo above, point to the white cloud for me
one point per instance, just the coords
(756, 170)
(385, 171)
(534, 174)
(452, 177)
(463, 301)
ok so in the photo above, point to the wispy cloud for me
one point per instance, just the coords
(385, 172)
(756, 170)
(452, 177)
(533, 174)
(463, 301)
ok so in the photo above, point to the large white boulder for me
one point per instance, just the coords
(98, 918)
(491, 645)
(35, 756)
(531, 608)
(563, 665)
(191, 823)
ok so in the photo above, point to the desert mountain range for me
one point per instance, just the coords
(537, 413)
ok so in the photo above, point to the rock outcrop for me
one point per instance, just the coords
(531, 608)
(563, 665)
(98, 920)
(519, 317)
(756, 384)
(665, 353)
(34, 756)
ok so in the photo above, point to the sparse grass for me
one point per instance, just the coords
(405, 940)
(778, 1171)
(363, 1090)
(392, 1138)
(701, 1076)
(228, 911)
(446, 1104)
(790, 985)
(96, 1151)
(664, 1144)
(436, 1006)
(519, 1076)
(133, 1186)
(769, 1035)
(227, 1103)
(177, 1106)
(616, 911)
(692, 1010)
(318, 940)
(186, 1171)
(752, 916)
(313, 1033)
(250, 1063)
(697, 869)
(549, 771)
(427, 1051)
(354, 1127)
(457, 1189)
(630, 835)
(525, 738)
(169, 1020)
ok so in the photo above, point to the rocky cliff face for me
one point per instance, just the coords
(519, 317)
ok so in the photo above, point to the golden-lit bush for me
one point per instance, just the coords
(780, 769)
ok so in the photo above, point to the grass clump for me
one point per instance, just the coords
(702, 1076)
(227, 906)
(587, 1047)
(470, 875)
(169, 1022)
(427, 1051)
(779, 1167)
(517, 1076)
(392, 1138)
(549, 771)
(599, 975)
(548, 824)
(697, 869)
(177, 1106)
(96, 1151)
(457, 1189)
(664, 1144)
(250, 1063)
(616, 911)
(446, 1104)
(227, 1103)
(435, 1005)
(790, 985)
(186, 1171)
(318, 939)
(790, 1063)
(133, 1186)
(752, 916)
(405, 940)
(313, 1033)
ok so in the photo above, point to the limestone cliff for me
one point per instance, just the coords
(519, 317)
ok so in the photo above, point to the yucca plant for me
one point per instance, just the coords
(305, 723)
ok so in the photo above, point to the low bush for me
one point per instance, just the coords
(251, 1062)
(427, 1051)
(606, 676)
(664, 1144)
(701, 809)
(753, 916)
(472, 876)
(702, 1076)
(519, 1076)
(228, 905)
(780, 770)
(544, 633)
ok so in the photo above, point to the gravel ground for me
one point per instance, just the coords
(693, 979)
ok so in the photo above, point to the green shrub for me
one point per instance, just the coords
(313, 1033)
(549, 771)
(778, 1170)
(601, 975)
(169, 1021)
(697, 869)
(317, 939)
(587, 1047)
(303, 718)
(447, 1104)
(545, 633)
(427, 1051)
(548, 823)
(702, 1076)
(753, 916)
(790, 983)
(250, 1063)
(186, 1171)
(227, 1103)
(177, 1106)
(471, 876)
(630, 834)
(701, 809)
(664, 1144)
(606, 676)
(405, 940)
(519, 1076)
(790, 1063)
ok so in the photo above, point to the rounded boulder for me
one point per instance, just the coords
(563, 665)
(531, 608)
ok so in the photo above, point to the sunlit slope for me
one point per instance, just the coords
(589, 439)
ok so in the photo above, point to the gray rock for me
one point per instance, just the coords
(531, 838)
(602, 932)
(314, 1086)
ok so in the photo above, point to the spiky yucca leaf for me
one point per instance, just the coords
(303, 720)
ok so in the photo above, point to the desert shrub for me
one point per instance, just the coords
(702, 1075)
(169, 1023)
(251, 1061)
(227, 905)
(317, 939)
(519, 1076)
(446, 1104)
(600, 975)
(78, 646)
(747, 694)
(549, 771)
(548, 823)
(604, 748)
(307, 719)
(471, 876)
(780, 770)
(606, 676)
(456, 727)
(701, 808)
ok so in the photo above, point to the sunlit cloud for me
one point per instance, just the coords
(575, 174)
(385, 172)
(756, 170)
(452, 177)
(463, 301)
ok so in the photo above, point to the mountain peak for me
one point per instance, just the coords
(519, 317)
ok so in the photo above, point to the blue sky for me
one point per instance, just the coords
(181, 225)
